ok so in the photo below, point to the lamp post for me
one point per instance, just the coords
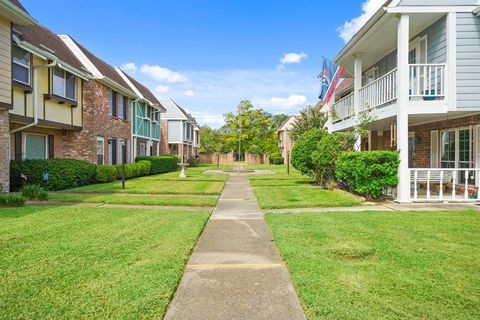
(288, 162)
(239, 143)
(124, 156)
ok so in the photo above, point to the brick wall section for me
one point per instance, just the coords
(4, 152)
(422, 137)
(96, 122)
(211, 158)
(164, 137)
(58, 137)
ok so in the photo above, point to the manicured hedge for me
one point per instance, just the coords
(51, 174)
(11, 200)
(161, 164)
(134, 170)
(368, 173)
(106, 173)
(276, 158)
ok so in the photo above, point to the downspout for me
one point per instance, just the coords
(35, 100)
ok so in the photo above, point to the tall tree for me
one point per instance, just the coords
(310, 118)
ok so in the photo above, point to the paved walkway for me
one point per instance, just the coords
(235, 271)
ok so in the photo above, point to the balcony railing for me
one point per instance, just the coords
(379, 92)
(427, 81)
(442, 184)
(343, 108)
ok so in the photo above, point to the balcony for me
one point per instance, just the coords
(426, 83)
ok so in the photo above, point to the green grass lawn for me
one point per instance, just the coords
(151, 186)
(383, 265)
(92, 263)
(281, 190)
(148, 200)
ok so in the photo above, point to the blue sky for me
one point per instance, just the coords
(210, 54)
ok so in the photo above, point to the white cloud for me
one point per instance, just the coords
(162, 89)
(129, 66)
(349, 28)
(293, 100)
(162, 74)
(291, 57)
(189, 93)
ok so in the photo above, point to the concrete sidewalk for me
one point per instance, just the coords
(235, 271)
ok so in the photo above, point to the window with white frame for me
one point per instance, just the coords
(456, 148)
(35, 146)
(120, 106)
(100, 150)
(64, 83)
(142, 149)
(21, 65)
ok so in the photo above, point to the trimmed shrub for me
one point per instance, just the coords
(11, 200)
(133, 170)
(105, 173)
(193, 161)
(303, 150)
(276, 158)
(161, 164)
(368, 173)
(34, 192)
(326, 153)
(51, 174)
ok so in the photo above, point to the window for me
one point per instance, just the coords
(112, 103)
(21, 65)
(120, 106)
(35, 146)
(125, 108)
(100, 151)
(448, 149)
(64, 83)
(142, 149)
(464, 148)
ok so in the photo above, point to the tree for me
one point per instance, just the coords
(212, 140)
(310, 118)
(250, 129)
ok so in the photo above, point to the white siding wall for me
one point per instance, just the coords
(468, 61)
(175, 129)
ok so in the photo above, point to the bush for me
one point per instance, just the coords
(255, 149)
(161, 164)
(51, 174)
(303, 150)
(276, 158)
(11, 200)
(368, 173)
(326, 153)
(193, 161)
(34, 192)
(105, 173)
(134, 170)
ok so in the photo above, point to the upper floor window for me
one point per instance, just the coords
(64, 83)
(112, 103)
(21, 65)
(120, 106)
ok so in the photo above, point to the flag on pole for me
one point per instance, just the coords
(330, 76)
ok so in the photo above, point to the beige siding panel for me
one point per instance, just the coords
(18, 102)
(5, 62)
(77, 112)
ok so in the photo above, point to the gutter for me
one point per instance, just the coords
(476, 11)
(35, 97)
(19, 16)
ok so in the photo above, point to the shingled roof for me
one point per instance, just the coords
(45, 39)
(143, 90)
(19, 5)
(104, 68)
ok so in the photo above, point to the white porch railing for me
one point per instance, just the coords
(343, 108)
(379, 92)
(442, 184)
(427, 81)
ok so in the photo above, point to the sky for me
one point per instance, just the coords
(208, 55)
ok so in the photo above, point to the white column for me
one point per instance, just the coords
(357, 85)
(451, 72)
(403, 188)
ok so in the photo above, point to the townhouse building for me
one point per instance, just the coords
(59, 100)
(418, 89)
(11, 12)
(181, 138)
(285, 143)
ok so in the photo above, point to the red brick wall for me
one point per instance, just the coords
(4, 151)
(164, 137)
(96, 122)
